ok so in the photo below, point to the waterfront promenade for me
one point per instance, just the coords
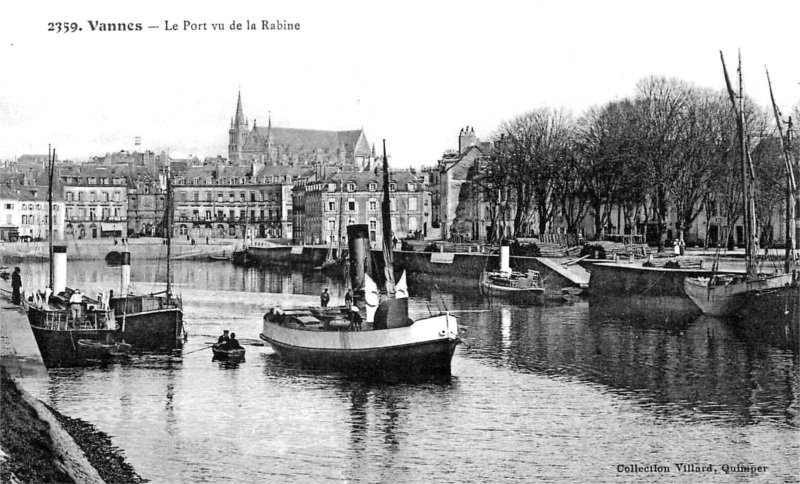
(142, 248)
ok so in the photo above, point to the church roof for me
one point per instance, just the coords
(309, 140)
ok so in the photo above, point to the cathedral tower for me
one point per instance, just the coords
(237, 134)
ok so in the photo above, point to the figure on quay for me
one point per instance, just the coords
(324, 298)
(16, 284)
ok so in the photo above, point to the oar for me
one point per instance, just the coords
(195, 351)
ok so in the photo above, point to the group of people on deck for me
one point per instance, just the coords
(354, 315)
(226, 342)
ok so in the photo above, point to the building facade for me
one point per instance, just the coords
(346, 198)
(96, 200)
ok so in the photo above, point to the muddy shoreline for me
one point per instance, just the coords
(33, 455)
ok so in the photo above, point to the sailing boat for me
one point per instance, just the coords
(241, 257)
(390, 343)
(725, 295)
(336, 265)
(150, 322)
(60, 317)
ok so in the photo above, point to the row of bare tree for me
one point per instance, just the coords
(667, 151)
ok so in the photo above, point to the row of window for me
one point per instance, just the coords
(351, 187)
(104, 196)
(29, 206)
(94, 180)
(238, 181)
(32, 220)
(254, 197)
(372, 204)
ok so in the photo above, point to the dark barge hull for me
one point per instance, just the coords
(156, 330)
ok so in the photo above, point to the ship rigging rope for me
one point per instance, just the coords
(653, 285)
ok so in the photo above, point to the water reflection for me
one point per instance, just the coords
(702, 369)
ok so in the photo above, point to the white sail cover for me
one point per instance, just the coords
(401, 289)
(372, 297)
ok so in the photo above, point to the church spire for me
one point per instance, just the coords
(240, 120)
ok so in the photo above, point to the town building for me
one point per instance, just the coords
(25, 213)
(346, 198)
(96, 199)
(224, 201)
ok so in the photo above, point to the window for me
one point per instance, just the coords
(411, 187)
(331, 205)
(331, 224)
(92, 213)
(412, 204)
(351, 187)
(219, 198)
(9, 206)
(393, 204)
(106, 197)
(252, 196)
(197, 197)
(208, 197)
(373, 204)
(70, 196)
(80, 196)
(92, 197)
(392, 187)
(373, 224)
(351, 204)
(116, 196)
(242, 196)
(331, 187)
(373, 187)
(208, 214)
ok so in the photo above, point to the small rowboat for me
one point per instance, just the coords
(220, 353)
(97, 350)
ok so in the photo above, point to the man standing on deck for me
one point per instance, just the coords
(16, 284)
(324, 298)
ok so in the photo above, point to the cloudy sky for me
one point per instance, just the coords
(411, 72)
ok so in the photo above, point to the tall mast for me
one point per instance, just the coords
(749, 208)
(791, 185)
(341, 217)
(50, 169)
(169, 228)
(386, 207)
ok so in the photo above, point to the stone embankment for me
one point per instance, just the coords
(146, 248)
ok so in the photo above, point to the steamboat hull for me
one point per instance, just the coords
(59, 348)
(529, 296)
(58, 342)
(148, 323)
(424, 348)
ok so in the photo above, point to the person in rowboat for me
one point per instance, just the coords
(233, 343)
(224, 338)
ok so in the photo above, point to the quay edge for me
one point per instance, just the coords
(448, 270)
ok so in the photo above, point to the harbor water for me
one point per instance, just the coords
(566, 392)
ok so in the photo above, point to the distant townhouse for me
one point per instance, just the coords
(146, 203)
(96, 199)
(224, 201)
(452, 172)
(25, 213)
(346, 198)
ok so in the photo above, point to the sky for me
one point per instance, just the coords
(413, 72)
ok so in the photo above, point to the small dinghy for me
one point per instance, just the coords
(221, 353)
